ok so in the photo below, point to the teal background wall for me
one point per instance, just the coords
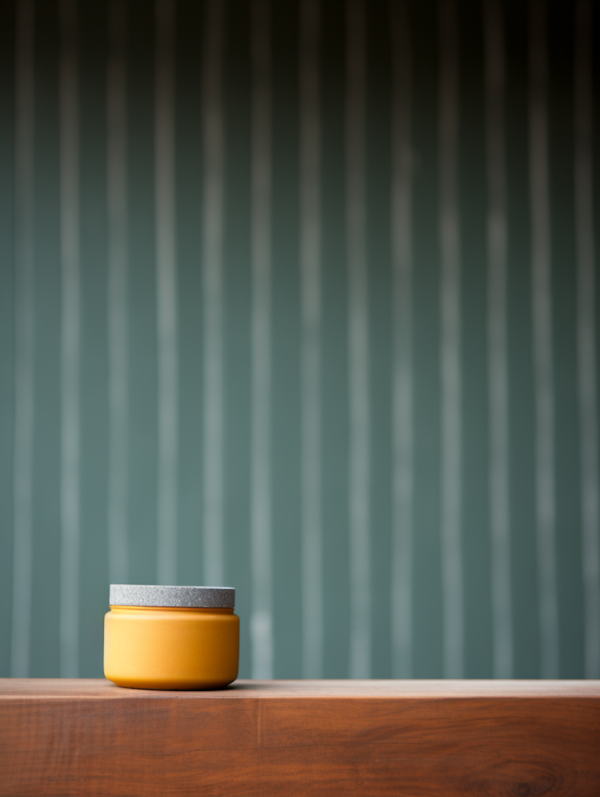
(300, 297)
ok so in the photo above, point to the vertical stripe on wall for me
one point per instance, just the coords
(497, 340)
(261, 628)
(310, 275)
(542, 338)
(451, 427)
(586, 335)
(402, 377)
(24, 341)
(358, 343)
(70, 341)
(118, 342)
(166, 289)
(214, 155)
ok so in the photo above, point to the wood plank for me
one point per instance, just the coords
(409, 738)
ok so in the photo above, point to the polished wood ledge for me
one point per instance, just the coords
(346, 738)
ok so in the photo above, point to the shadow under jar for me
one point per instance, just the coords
(158, 637)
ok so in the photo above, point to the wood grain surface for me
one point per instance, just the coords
(347, 738)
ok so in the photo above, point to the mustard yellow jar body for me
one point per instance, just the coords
(171, 647)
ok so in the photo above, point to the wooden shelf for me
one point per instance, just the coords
(346, 738)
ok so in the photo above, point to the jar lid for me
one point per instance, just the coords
(184, 597)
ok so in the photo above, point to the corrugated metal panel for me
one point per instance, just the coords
(301, 297)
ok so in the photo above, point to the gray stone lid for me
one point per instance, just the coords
(184, 597)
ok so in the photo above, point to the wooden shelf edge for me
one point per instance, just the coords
(40, 688)
(301, 739)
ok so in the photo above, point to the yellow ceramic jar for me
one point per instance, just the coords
(171, 637)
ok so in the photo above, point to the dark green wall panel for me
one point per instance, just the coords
(432, 155)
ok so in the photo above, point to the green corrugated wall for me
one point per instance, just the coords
(301, 297)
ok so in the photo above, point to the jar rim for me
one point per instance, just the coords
(184, 597)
